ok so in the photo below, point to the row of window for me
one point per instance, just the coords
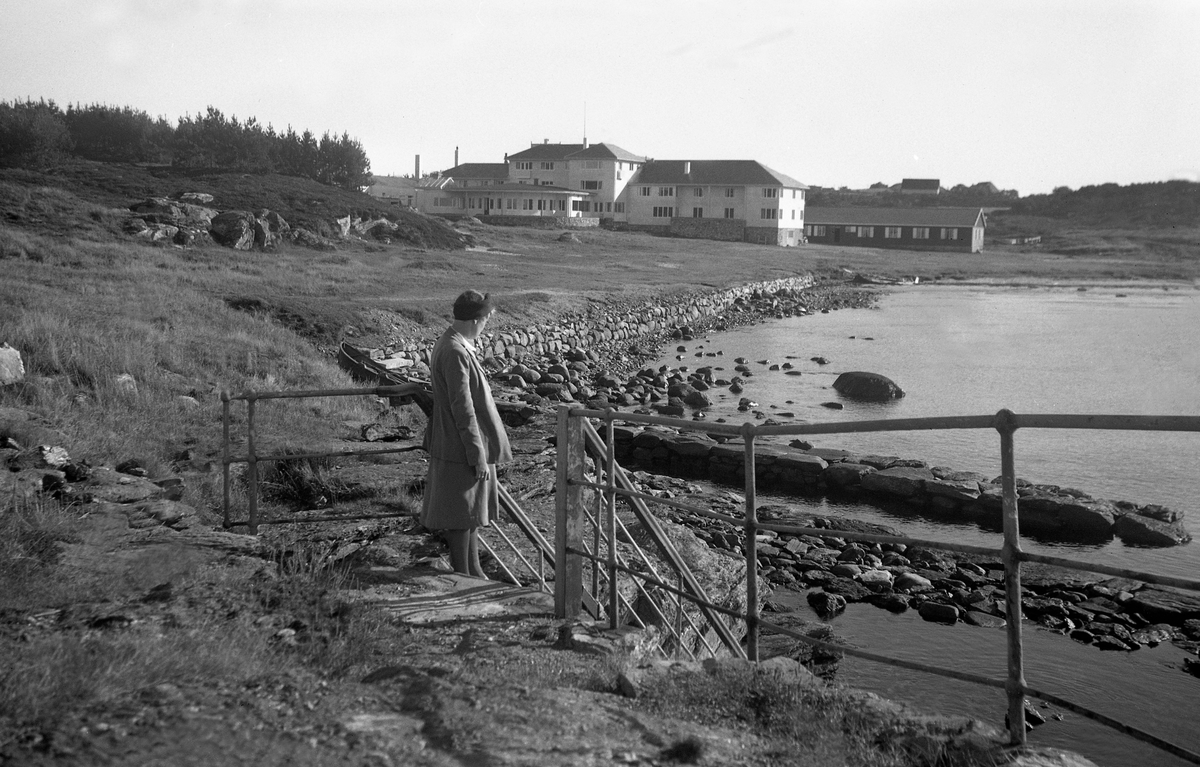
(587, 165)
(698, 191)
(587, 206)
(889, 232)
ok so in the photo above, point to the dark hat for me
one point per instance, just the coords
(473, 305)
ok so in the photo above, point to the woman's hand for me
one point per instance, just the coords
(482, 472)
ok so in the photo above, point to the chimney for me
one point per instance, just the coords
(456, 157)
(545, 141)
(687, 167)
(585, 143)
(417, 172)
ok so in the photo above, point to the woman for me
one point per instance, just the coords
(465, 438)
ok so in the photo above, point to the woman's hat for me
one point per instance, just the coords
(473, 305)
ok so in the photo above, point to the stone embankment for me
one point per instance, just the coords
(935, 491)
(614, 333)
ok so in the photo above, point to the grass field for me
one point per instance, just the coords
(86, 306)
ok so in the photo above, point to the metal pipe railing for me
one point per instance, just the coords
(1004, 422)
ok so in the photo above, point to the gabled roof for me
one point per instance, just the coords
(920, 184)
(895, 216)
(604, 151)
(547, 152)
(493, 170)
(714, 173)
(449, 185)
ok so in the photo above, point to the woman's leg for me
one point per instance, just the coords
(476, 569)
(459, 542)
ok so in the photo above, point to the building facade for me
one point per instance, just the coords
(954, 229)
(741, 200)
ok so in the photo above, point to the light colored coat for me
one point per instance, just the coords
(465, 426)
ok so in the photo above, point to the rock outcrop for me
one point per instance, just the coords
(871, 387)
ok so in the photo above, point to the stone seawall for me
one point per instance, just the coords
(603, 327)
(935, 491)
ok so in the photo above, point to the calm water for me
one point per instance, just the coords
(972, 350)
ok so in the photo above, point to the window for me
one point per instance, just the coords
(609, 207)
(527, 204)
(664, 211)
(590, 184)
(546, 166)
(697, 212)
(524, 166)
(541, 204)
(547, 183)
(817, 230)
(950, 234)
(644, 191)
(920, 233)
(729, 213)
(729, 191)
(698, 192)
(891, 232)
(508, 203)
(769, 213)
(793, 194)
(618, 207)
(866, 231)
(793, 214)
(770, 192)
(666, 191)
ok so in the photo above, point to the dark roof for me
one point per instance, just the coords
(478, 170)
(895, 216)
(714, 173)
(547, 152)
(604, 151)
(921, 184)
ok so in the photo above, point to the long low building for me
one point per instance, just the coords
(957, 229)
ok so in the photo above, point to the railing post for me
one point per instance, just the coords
(610, 497)
(1011, 555)
(251, 463)
(568, 528)
(225, 458)
(751, 546)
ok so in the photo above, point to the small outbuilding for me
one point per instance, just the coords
(955, 229)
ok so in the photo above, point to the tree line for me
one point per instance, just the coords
(35, 134)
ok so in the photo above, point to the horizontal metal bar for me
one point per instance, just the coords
(824, 532)
(1120, 572)
(393, 390)
(328, 518)
(1126, 729)
(1111, 422)
(1047, 421)
(335, 454)
(886, 660)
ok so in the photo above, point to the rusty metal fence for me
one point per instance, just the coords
(577, 438)
(539, 549)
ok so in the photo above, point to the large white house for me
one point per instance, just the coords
(712, 199)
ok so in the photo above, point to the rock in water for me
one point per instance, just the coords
(872, 387)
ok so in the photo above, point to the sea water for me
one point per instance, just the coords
(973, 350)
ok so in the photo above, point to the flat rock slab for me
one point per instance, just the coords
(446, 597)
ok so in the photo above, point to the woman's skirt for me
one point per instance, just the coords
(455, 500)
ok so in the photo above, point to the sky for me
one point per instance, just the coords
(1028, 94)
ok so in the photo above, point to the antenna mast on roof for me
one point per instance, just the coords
(585, 144)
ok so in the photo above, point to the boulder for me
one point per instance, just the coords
(935, 612)
(1159, 604)
(233, 229)
(845, 474)
(903, 481)
(12, 369)
(871, 387)
(1146, 531)
(826, 605)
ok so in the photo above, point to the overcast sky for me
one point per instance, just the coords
(1028, 95)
